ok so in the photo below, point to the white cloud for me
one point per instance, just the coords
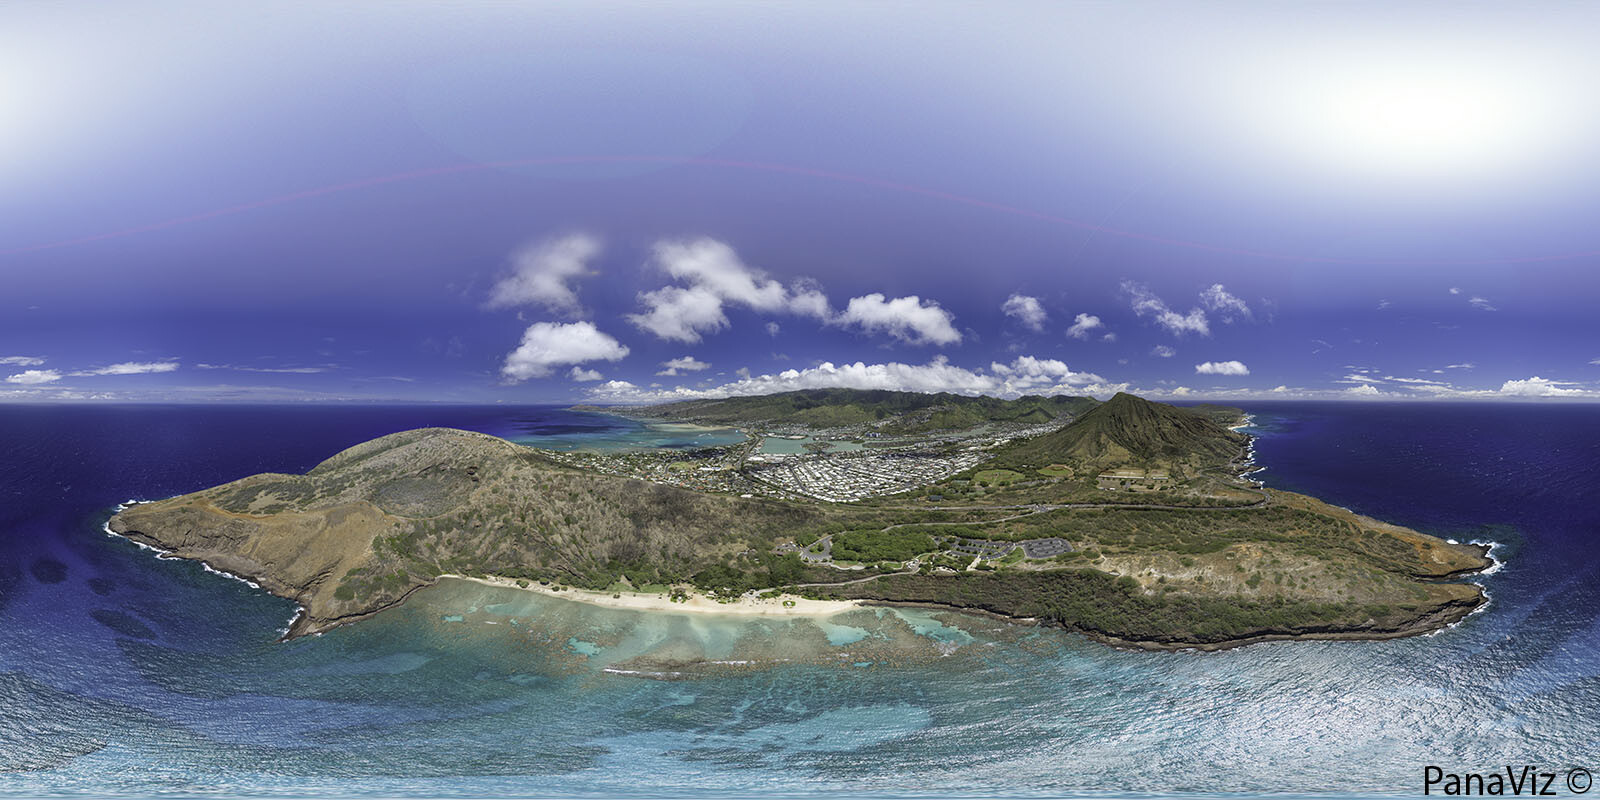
(582, 375)
(909, 319)
(714, 276)
(1025, 310)
(680, 315)
(1082, 324)
(1222, 368)
(542, 274)
(714, 265)
(1540, 387)
(1482, 304)
(1467, 365)
(1364, 390)
(809, 301)
(1110, 337)
(1146, 304)
(547, 345)
(1357, 378)
(1163, 351)
(681, 365)
(1418, 381)
(1595, 361)
(131, 368)
(1025, 374)
(34, 377)
(21, 361)
(772, 329)
(1227, 306)
(1455, 290)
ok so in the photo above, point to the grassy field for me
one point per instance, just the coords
(996, 477)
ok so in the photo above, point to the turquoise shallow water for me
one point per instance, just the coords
(124, 675)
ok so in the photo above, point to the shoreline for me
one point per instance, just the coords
(695, 604)
(301, 623)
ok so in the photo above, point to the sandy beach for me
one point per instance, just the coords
(695, 604)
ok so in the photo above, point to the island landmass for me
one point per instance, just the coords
(1127, 520)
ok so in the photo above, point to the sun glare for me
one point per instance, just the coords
(1420, 117)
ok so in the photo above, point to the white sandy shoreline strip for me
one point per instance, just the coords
(695, 604)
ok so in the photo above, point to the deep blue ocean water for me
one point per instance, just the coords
(122, 674)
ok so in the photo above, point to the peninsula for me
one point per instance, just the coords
(1126, 520)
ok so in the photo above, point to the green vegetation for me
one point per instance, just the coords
(1129, 430)
(897, 545)
(996, 477)
(373, 523)
(732, 578)
(890, 412)
(1095, 602)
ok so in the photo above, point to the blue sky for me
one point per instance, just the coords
(492, 202)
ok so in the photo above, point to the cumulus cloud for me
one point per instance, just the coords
(1028, 373)
(772, 329)
(543, 273)
(713, 276)
(34, 377)
(680, 315)
(680, 365)
(1082, 324)
(1227, 306)
(1364, 390)
(130, 368)
(1025, 310)
(1147, 304)
(21, 361)
(715, 266)
(1163, 351)
(547, 345)
(581, 375)
(1024, 374)
(909, 319)
(1455, 290)
(1540, 387)
(1222, 368)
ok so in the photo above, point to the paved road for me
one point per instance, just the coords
(819, 551)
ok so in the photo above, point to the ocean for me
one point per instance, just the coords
(126, 675)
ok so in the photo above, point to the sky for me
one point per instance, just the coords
(626, 202)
